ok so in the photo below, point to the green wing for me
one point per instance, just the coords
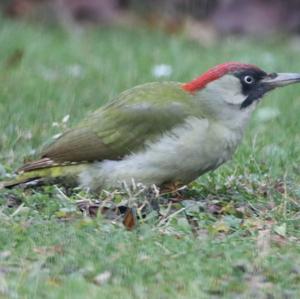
(136, 116)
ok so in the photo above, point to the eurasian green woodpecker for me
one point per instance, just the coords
(158, 133)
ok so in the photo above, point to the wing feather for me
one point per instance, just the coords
(125, 125)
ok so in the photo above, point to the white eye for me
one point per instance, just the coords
(248, 79)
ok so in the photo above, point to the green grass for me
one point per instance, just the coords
(244, 240)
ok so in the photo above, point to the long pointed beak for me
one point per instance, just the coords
(281, 79)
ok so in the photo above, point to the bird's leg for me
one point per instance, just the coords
(173, 188)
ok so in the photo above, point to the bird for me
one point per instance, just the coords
(159, 133)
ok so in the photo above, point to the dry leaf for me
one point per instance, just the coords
(130, 218)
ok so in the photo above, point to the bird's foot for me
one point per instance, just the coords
(175, 189)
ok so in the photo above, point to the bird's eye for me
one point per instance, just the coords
(248, 79)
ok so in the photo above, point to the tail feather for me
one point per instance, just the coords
(70, 171)
(20, 179)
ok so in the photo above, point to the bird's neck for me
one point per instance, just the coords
(230, 115)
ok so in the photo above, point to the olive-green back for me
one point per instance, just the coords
(136, 117)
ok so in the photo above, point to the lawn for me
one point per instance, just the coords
(235, 236)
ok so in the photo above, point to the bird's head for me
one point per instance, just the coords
(237, 85)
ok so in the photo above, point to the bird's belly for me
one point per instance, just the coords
(182, 154)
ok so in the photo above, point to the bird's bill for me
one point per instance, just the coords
(281, 79)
